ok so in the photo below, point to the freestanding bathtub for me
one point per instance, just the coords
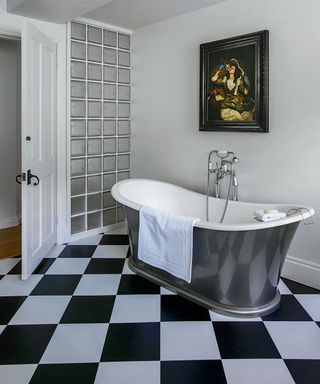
(236, 265)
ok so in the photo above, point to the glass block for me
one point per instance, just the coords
(94, 127)
(124, 110)
(78, 205)
(123, 162)
(94, 109)
(94, 72)
(94, 202)
(123, 92)
(109, 56)
(94, 91)
(78, 224)
(124, 127)
(109, 216)
(94, 165)
(78, 186)
(78, 167)
(78, 89)
(94, 35)
(124, 144)
(94, 183)
(108, 200)
(78, 147)
(109, 163)
(94, 146)
(78, 108)
(120, 214)
(78, 70)
(109, 145)
(109, 109)
(78, 31)
(124, 75)
(109, 91)
(109, 38)
(109, 127)
(94, 53)
(124, 58)
(123, 175)
(109, 180)
(94, 220)
(109, 73)
(123, 41)
(78, 127)
(78, 50)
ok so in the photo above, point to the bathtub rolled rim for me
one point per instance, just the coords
(309, 211)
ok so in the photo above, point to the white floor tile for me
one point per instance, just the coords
(269, 371)
(55, 251)
(110, 251)
(193, 340)
(41, 310)
(90, 240)
(217, 317)
(76, 343)
(136, 308)
(284, 290)
(7, 264)
(12, 285)
(16, 374)
(295, 339)
(68, 266)
(133, 372)
(2, 327)
(311, 303)
(126, 270)
(165, 291)
(98, 285)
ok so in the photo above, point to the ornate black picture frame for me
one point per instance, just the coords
(234, 84)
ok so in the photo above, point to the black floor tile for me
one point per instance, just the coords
(88, 309)
(318, 323)
(105, 266)
(244, 340)
(78, 251)
(65, 374)
(1, 276)
(304, 371)
(290, 310)
(16, 270)
(43, 266)
(24, 344)
(128, 253)
(192, 372)
(176, 308)
(297, 288)
(9, 306)
(114, 240)
(57, 285)
(132, 342)
(137, 285)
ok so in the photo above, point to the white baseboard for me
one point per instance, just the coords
(302, 271)
(92, 232)
(10, 222)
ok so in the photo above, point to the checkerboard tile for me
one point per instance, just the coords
(85, 315)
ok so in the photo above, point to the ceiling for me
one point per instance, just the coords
(131, 14)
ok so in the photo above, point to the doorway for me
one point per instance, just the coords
(10, 146)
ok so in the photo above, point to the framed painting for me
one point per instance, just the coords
(234, 84)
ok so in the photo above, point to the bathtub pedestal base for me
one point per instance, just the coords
(244, 312)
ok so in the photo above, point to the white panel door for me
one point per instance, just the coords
(39, 152)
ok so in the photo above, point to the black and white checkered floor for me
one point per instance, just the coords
(84, 317)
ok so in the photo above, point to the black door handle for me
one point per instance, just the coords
(20, 178)
(30, 176)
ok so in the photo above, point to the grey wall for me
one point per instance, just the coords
(282, 166)
(10, 125)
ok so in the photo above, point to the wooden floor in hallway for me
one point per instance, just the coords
(10, 242)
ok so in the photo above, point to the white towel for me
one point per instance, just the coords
(166, 241)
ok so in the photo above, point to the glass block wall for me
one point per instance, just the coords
(100, 123)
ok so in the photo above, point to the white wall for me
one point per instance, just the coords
(57, 32)
(281, 166)
(10, 124)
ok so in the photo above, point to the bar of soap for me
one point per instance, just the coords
(269, 211)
